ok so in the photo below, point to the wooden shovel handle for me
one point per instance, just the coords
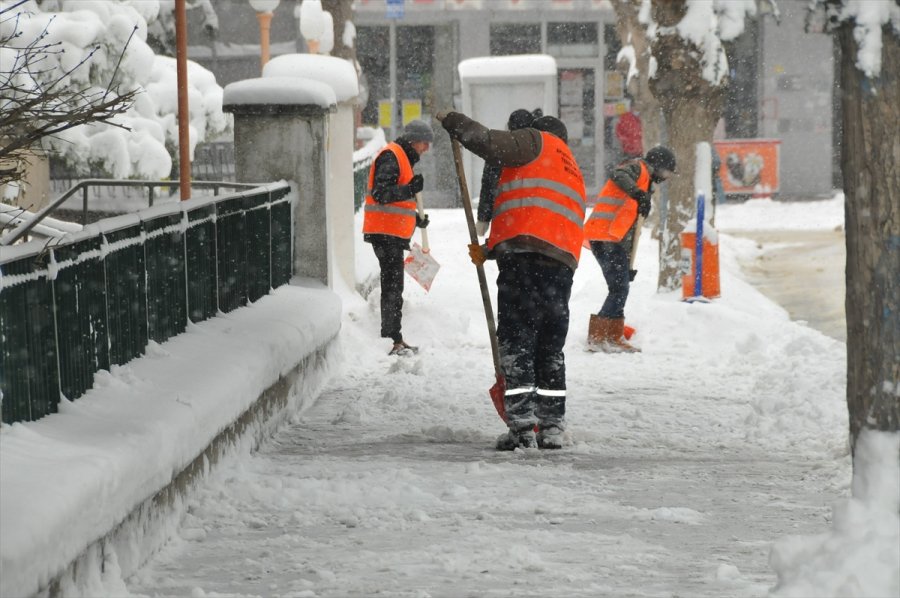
(634, 243)
(424, 232)
(473, 237)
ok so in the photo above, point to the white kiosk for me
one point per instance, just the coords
(492, 87)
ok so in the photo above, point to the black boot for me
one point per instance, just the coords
(517, 439)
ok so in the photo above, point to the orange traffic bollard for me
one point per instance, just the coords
(709, 274)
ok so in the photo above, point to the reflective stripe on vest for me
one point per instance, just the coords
(542, 199)
(397, 219)
(615, 211)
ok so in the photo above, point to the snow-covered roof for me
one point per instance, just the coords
(280, 90)
(502, 67)
(337, 73)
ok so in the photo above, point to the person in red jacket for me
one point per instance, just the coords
(536, 236)
(610, 232)
(630, 135)
(390, 218)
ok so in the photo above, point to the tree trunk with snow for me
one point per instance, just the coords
(691, 105)
(341, 13)
(632, 32)
(870, 163)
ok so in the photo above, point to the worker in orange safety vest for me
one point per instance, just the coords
(535, 236)
(610, 230)
(390, 218)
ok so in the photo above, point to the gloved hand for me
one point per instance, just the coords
(631, 275)
(643, 199)
(416, 184)
(422, 222)
(481, 228)
(477, 254)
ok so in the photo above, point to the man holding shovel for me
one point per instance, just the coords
(536, 236)
(612, 230)
(390, 218)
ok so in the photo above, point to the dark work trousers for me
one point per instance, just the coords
(614, 261)
(390, 259)
(532, 322)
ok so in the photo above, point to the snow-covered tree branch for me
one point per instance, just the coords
(92, 52)
(36, 103)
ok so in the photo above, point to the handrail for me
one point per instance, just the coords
(84, 185)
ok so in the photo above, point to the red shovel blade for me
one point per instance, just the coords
(497, 391)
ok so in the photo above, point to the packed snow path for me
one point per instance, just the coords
(686, 461)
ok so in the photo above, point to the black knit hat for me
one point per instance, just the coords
(552, 125)
(418, 130)
(661, 158)
(519, 119)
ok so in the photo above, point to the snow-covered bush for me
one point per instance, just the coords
(141, 141)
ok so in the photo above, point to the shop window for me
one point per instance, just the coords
(415, 57)
(573, 40)
(514, 38)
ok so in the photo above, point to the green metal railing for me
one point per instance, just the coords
(96, 298)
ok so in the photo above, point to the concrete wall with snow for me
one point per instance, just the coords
(296, 123)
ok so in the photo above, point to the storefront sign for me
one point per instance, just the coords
(611, 109)
(395, 9)
(466, 4)
(385, 114)
(412, 110)
(615, 85)
(749, 165)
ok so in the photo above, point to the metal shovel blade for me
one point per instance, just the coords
(497, 391)
(421, 266)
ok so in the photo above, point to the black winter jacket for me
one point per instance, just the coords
(386, 190)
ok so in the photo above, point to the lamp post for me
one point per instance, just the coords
(312, 23)
(264, 10)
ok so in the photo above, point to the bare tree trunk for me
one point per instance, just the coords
(691, 106)
(341, 12)
(342, 15)
(631, 31)
(870, 161)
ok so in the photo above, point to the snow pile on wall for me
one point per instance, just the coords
(338, 73)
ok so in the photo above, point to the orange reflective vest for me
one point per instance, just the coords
(615, 211)
(543, 199)
(397, 219)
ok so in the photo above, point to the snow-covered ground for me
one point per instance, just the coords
(687, 463)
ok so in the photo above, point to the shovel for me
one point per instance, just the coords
(629, 331)
(498, 390)
(419, 264)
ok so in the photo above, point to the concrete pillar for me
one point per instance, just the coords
(287, 141)
(296, 123)
(340, 136)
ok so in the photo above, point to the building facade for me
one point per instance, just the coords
(409, 51)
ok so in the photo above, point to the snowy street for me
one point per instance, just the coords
(685, 463)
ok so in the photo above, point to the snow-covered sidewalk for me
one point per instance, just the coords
(686, 461)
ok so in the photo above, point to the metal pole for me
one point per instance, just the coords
(393, 73)
(265, 24)
(184, 156)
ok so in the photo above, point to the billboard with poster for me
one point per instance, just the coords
(749, 166)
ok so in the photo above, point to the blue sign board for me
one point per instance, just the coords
(395, 9)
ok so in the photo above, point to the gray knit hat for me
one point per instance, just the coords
(418, 130)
